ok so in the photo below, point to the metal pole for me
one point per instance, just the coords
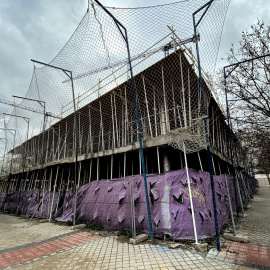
(70, 76)
(235, 65)
(44, 121)
(205, 123)
(76, 148)
(43, 135)
(10, 168)
(190, 196)
(158, 160)
(76, 192)
(25, 148)
(3, 155)
(230, 141)
(123, 32)
(140, 142)
(230, 203)
(53, 193)
(12, 151)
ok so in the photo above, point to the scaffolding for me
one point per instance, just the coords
(176, 127)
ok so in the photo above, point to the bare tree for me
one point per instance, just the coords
(249, 92)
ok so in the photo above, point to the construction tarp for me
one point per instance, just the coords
(108, 203)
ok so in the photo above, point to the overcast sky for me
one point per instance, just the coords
(39, 29)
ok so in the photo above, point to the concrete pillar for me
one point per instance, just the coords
(166, 163)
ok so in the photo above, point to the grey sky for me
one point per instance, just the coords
(39, 29)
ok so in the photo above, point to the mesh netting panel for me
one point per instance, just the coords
(165, 68)
(191, 139)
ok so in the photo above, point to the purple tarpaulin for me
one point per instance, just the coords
(108, 203)
(12, 200)
(64, 214)
(45, 208)
(26, 202)
(180, 209)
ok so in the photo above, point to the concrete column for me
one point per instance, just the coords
(166, 163)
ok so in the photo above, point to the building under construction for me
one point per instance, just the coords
(87, 166)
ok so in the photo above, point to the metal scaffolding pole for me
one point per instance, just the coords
(70, 76)
(123, 32)
(209, 156)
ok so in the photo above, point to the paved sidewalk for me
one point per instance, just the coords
(24, 254)
(54, 246)
(255, 253)
(15, 231)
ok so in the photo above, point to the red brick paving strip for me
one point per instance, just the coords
(247, 253)
(37, 251)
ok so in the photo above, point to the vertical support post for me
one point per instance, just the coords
(240, 197)
(107, 170)
(47, 151)
(119, 167)
(76, 147)
(230, 141)
(77, 186)
(98, 168)
(140, 162)
(213, 127)
(200, 161)
(183, 92)
(158, 160)
(230, 204)
(133, 218)
(190, 196)
(3, 156)
(43, 132)
(10, 168)
(123, 32)
(90, 132)
(49, 191)
(54, 187)
(43, 192)
(181, 160)
(102, 130)
(116, 122)
(174, 108)
(68, 179)
(189, 100)
(65, 148)
(155, 112)
(90, 170)
(113, 123)
(126, 117)
(125, 162)
(111, 166)
(59, 191)
(167, 124)
(79, 131)
(214, 168)
(207, 5)
(53, 152)
(58, 147)
(219, 168)
(147, 109)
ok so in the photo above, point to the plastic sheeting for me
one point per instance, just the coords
(27, 202)
(108, 203)
(180, 209)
